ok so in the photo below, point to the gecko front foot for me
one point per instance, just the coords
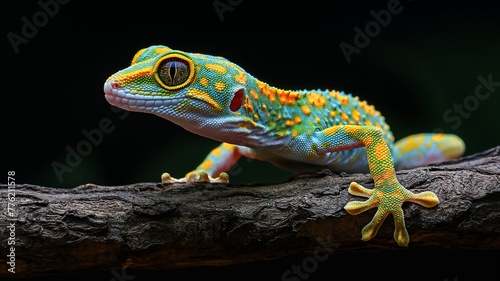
(195, 176)
(388, 200)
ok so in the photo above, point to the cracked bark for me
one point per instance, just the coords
(150, 226)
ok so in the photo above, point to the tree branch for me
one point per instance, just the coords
(150, 226)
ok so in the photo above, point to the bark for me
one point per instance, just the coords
(151, 226)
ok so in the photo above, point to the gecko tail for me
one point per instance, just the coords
(423, 149)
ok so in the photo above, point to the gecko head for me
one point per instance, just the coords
(198, 92)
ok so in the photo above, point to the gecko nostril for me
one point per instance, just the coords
(109, 86)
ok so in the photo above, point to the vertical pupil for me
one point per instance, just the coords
(173, 71)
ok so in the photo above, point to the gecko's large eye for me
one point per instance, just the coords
(174, 72)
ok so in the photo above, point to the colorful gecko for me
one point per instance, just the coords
(296, 130)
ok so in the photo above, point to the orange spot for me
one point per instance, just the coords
(133, 75)
(305, 108)
(228, 146)
(378, 125)
(287, 97)
(254, 94)
(289, 123)
(241, 78)
(219, 86)
(412, 143)
(207, 164)
(356, 116)
(267, 91)
(332, 113)
(248, 105)
(332, 130)
(294, 133)
(343, 99)
(344, 116)
(437, 137)
(369, 109)
(368, 122)
(162, 50)
(368, 141)
(264, 107)
(216, 67)
(380, 151)
(352, 129)
(317, 119)
(204, 81)
(297, 120)
(217, 152)
(316, 99)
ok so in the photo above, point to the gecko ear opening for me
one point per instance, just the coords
(237, 100)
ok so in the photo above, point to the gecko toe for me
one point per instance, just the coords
(358, 207)
(167, 179)
(371, 229)
(222, 178)
(427, 199)
(358, 190)
(400, 234)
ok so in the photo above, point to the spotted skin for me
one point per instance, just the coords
(301, 130)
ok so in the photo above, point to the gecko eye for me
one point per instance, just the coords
(174, 72)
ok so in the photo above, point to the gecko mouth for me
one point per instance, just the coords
(135, 100)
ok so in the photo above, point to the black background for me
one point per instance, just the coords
(422, 64)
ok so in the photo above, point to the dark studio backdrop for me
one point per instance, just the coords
(432, 66)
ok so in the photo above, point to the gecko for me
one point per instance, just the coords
(296, 130)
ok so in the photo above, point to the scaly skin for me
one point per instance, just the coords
(295, 130)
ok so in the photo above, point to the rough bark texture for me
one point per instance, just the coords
(150, 226)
